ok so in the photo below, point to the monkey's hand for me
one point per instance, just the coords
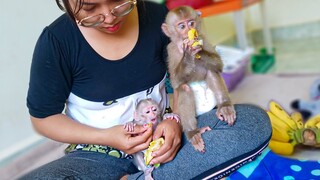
(192, 47)
(129, 126)
(227, 113)
(195, 138)
(172, 116)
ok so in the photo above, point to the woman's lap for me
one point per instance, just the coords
(225, 148)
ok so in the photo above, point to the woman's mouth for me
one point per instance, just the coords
(113, 28)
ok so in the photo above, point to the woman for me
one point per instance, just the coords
(96, 61)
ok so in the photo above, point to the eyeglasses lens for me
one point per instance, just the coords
(118, 11)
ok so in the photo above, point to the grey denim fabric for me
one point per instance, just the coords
(224, 145)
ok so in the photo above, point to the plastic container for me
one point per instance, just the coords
(235, 64)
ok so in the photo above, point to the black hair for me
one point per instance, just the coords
(65, 6)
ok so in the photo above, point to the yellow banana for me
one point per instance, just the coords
(297, 117)
(192, 35)
(311, 123)
(280, 135)
(281, 148)
(318, 125)
(153, 146)
(280, 130)
(277, 110)
(278, 123)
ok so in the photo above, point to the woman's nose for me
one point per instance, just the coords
(109, 18)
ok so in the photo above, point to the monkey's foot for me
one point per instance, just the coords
(148, 173)
(197, 140)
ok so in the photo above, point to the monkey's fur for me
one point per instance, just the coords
(147, 112)
(184, 68)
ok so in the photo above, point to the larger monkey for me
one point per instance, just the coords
(189, 64)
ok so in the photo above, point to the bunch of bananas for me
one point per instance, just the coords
(290, 130)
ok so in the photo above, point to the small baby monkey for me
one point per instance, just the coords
(188, 64)
(147, 113)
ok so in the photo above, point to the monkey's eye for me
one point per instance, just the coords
(154, 109)
(192, 24)
(147, 112)
(181, 26)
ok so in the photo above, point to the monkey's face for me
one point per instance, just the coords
(184, 25)
(151, 113)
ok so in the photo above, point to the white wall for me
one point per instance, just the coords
(21, 23)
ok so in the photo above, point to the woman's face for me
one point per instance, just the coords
(103, 15)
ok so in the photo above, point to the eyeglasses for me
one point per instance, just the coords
(118, 11)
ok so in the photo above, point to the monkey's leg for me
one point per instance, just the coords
(139, 161)
(225, 111)
(187, 112)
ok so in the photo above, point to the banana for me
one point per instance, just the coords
(280, 130)
(318, 125)
(192, 35)
(153, 146)
(278, 123)
(311, 123)
(279, 135)
(281, 148)
(277, 110)
(297, 117)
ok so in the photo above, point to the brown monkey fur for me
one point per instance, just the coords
(184, 68)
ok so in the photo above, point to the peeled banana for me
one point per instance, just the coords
(154, 145)
(193, 35)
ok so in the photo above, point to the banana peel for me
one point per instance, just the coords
(288, 130)
(153, 146)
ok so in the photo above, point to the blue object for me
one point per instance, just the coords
(270, 166)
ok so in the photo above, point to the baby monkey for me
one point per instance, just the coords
(147, 113)
(192, 62)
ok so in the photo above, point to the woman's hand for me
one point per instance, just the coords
(131, 142)
(171, 131)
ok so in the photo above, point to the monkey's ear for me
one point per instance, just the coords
(165, 29)
(199, 13)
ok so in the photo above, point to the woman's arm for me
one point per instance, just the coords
(61, 128)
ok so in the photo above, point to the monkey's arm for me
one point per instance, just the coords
(175, 100)
(225, 109)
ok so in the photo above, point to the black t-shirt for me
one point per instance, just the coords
(63, 63)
